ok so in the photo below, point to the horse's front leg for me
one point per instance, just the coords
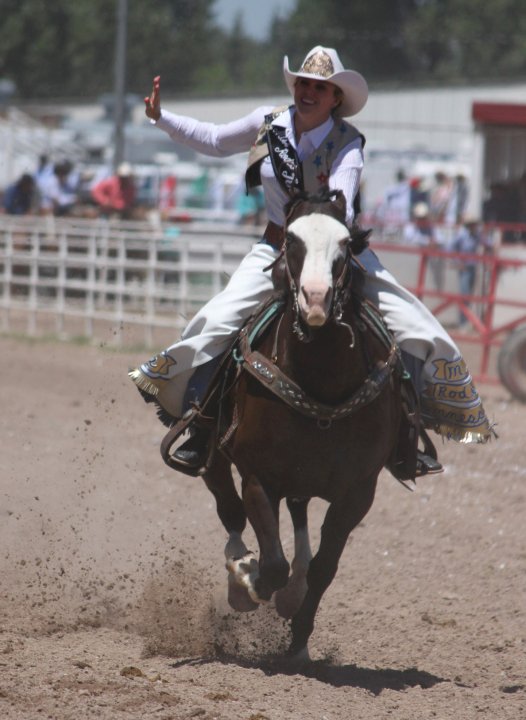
(263, 513)
(232, 514)
(341, 518)
(230, 508)
(288, 599)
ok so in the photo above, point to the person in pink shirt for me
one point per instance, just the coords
(116, 195)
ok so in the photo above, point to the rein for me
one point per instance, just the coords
(265, 370)
(274, 379)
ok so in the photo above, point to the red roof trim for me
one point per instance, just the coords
(499, 113)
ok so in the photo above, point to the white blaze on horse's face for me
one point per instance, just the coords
(325, 241)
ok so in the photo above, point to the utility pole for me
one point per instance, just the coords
(120, 81)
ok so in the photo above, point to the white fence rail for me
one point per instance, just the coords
(70, 278)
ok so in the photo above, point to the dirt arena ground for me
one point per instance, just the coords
(112, 585)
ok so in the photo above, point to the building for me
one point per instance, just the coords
(478, 131)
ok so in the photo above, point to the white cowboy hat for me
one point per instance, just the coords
(125, 170)
(323, 63)
(421, 210)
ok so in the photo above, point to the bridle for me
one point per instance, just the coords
(341, 292)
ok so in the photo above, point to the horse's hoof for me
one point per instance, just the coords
(245, 571)
(238, 597)
(288, 600)
(298, 658)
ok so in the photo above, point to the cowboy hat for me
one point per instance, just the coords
(421, 210)
(125, 170)
(323, 63)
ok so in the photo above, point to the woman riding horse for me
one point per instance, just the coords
(303, 147)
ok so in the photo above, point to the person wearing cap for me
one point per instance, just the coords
(116, 194)
(420, 230)
(304, 146)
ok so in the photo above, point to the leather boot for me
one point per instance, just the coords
(194, 452)
(427, 465)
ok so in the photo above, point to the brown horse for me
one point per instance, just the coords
(315, 413)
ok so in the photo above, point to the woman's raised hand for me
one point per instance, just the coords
(153, 103)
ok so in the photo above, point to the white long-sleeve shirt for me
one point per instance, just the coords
(239, 135)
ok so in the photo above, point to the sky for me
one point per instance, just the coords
(256, 14)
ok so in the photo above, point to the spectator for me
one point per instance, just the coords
(116, 195)
(422, 232)
(44, 170)
(418, 194)
(251, 207)
(198, 197)
(439, 197)
(21, 197)
(458, 200)
(58, 190)
(395, 210)
(167, 196)
(468, 240)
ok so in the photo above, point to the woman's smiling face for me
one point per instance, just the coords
(315, 100)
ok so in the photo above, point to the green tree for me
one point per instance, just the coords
(68, 48)
(400, 41)
(460, 40)
(34, 45)
(368, 34)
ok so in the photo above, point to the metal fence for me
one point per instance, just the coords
(496, 307)
(134, 284)
(68, 277)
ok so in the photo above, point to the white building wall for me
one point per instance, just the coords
(417, 129)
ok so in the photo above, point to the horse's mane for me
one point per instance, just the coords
(324, 196)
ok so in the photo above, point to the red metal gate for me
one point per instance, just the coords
(484, 331)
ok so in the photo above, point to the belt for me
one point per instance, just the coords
(273, 235)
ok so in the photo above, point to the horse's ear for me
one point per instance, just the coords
(359, 239)
(296, 196)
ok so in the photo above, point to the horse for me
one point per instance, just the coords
(314, 412)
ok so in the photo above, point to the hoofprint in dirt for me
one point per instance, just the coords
(113, 587)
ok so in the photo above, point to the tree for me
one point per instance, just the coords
(67, 48)
(368, 34)
(34, 45)
(452, 40)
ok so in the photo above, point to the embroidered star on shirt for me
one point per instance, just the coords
(317, 160)
(322, 178)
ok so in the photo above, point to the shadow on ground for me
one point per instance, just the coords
(374, 680)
